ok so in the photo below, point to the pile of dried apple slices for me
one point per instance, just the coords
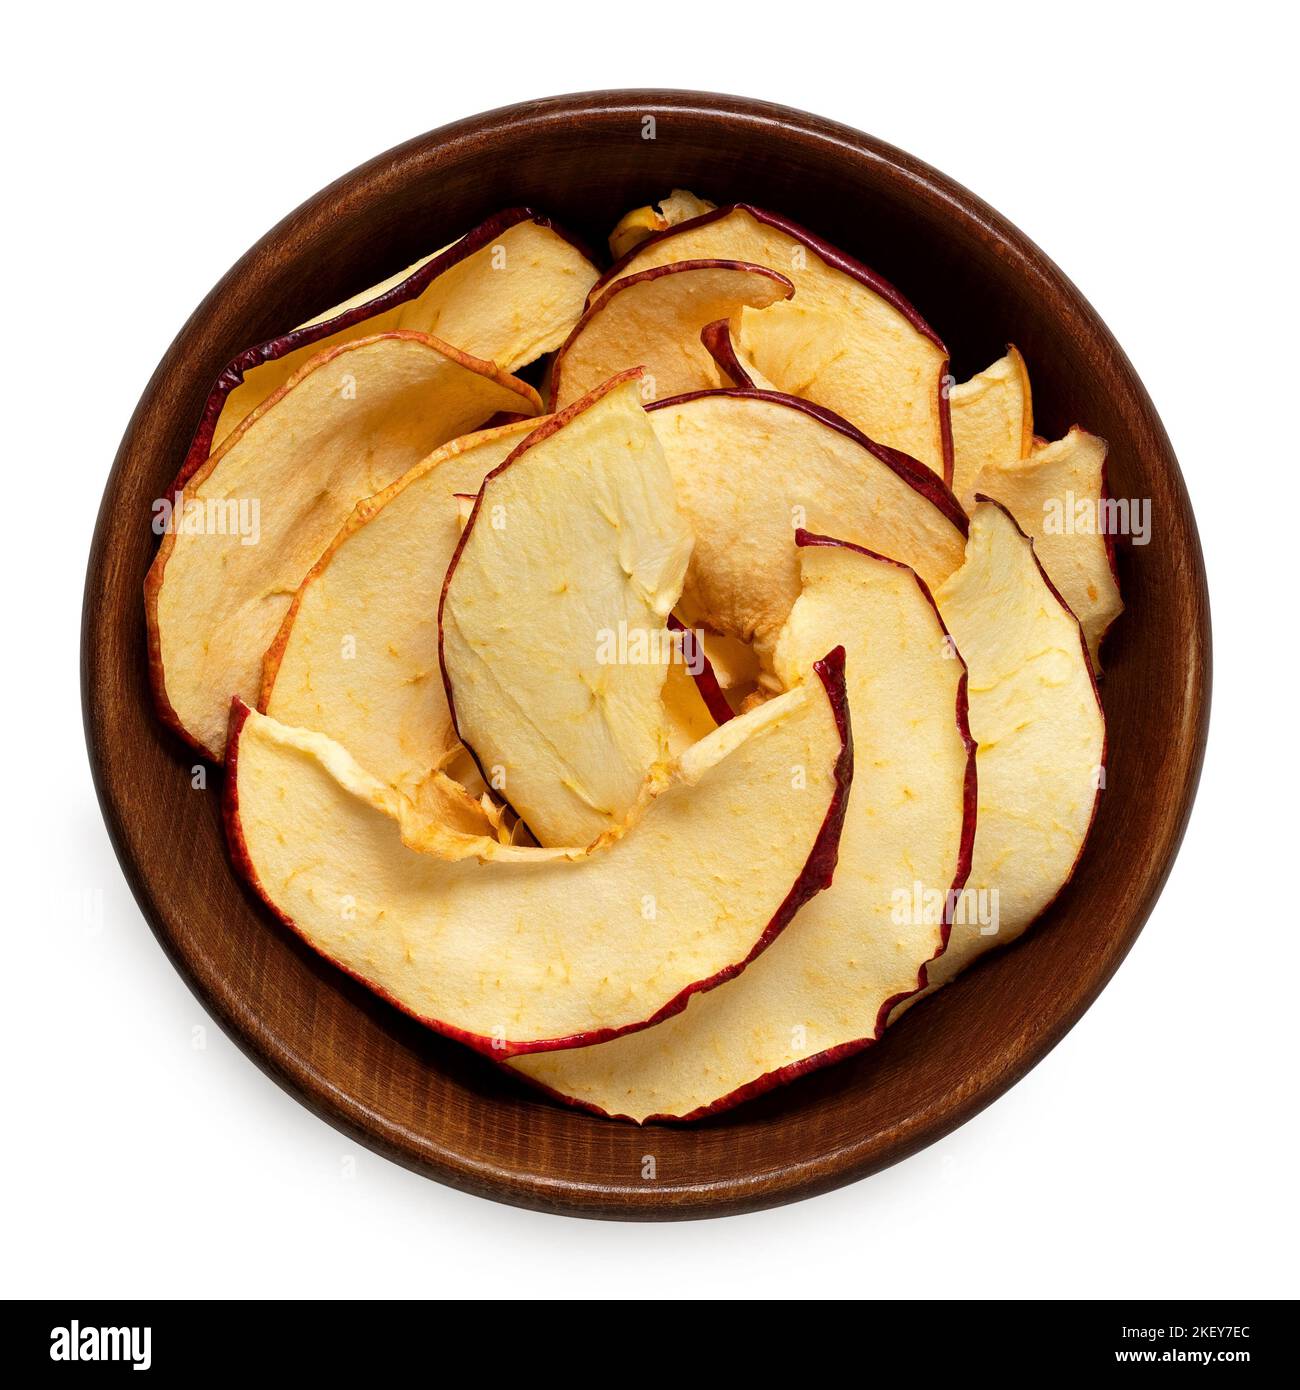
(672, 743)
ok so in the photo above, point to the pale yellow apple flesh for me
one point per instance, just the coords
(1056, 496)
(509, 302)
(846, 340)
(1040, 731)
(654, 321)
(356, 657)
(545, 947)
(350, 422)
(826, 985)
(750, 468)
(555, 613)
(992, 421)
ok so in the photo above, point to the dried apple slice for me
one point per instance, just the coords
(750, 467)
(348, 423)
(1040, 731)
(847, 340)
(689, 717)
(356, 657)
(654, 320)
(635, 226)
(732, 363)
(509, 291)
(992, 421)
(554, 616)
(1058, 495)
(825, 988)
(541, 948)
(693, 693)
(732, 662)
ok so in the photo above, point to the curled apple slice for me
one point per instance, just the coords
(847, 340)
(508, 292)
(733, 663)
(654, 319)
(689, 716)
(992, 421)
(825, 988)
(541, 948)
(635, 226)
(247, 527)
(750, 467)
(1040, 730)
(554, 616)
(693, 694)
(732, 363)
(356, 657)
(1058, 495)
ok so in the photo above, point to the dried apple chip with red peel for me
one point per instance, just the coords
(847, 339)
(654, 320)
(693, 693)
(356, 657)
(635, 226)
(732, 662)
(347, 424)
(508, 291)
(543, 948)
(992, 421)
(750, 467)
(689, 715)
(732, 363)
(554, 617)
(1058, 495)
(825, 987)
(1041, 734)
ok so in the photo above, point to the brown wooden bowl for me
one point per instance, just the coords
(422, 1100)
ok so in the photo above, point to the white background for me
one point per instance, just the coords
(1149, 151)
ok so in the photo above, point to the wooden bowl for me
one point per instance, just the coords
(422, 1100)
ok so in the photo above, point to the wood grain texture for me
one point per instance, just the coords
(435, 1107)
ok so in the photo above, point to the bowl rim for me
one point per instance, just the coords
(795, 1181)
